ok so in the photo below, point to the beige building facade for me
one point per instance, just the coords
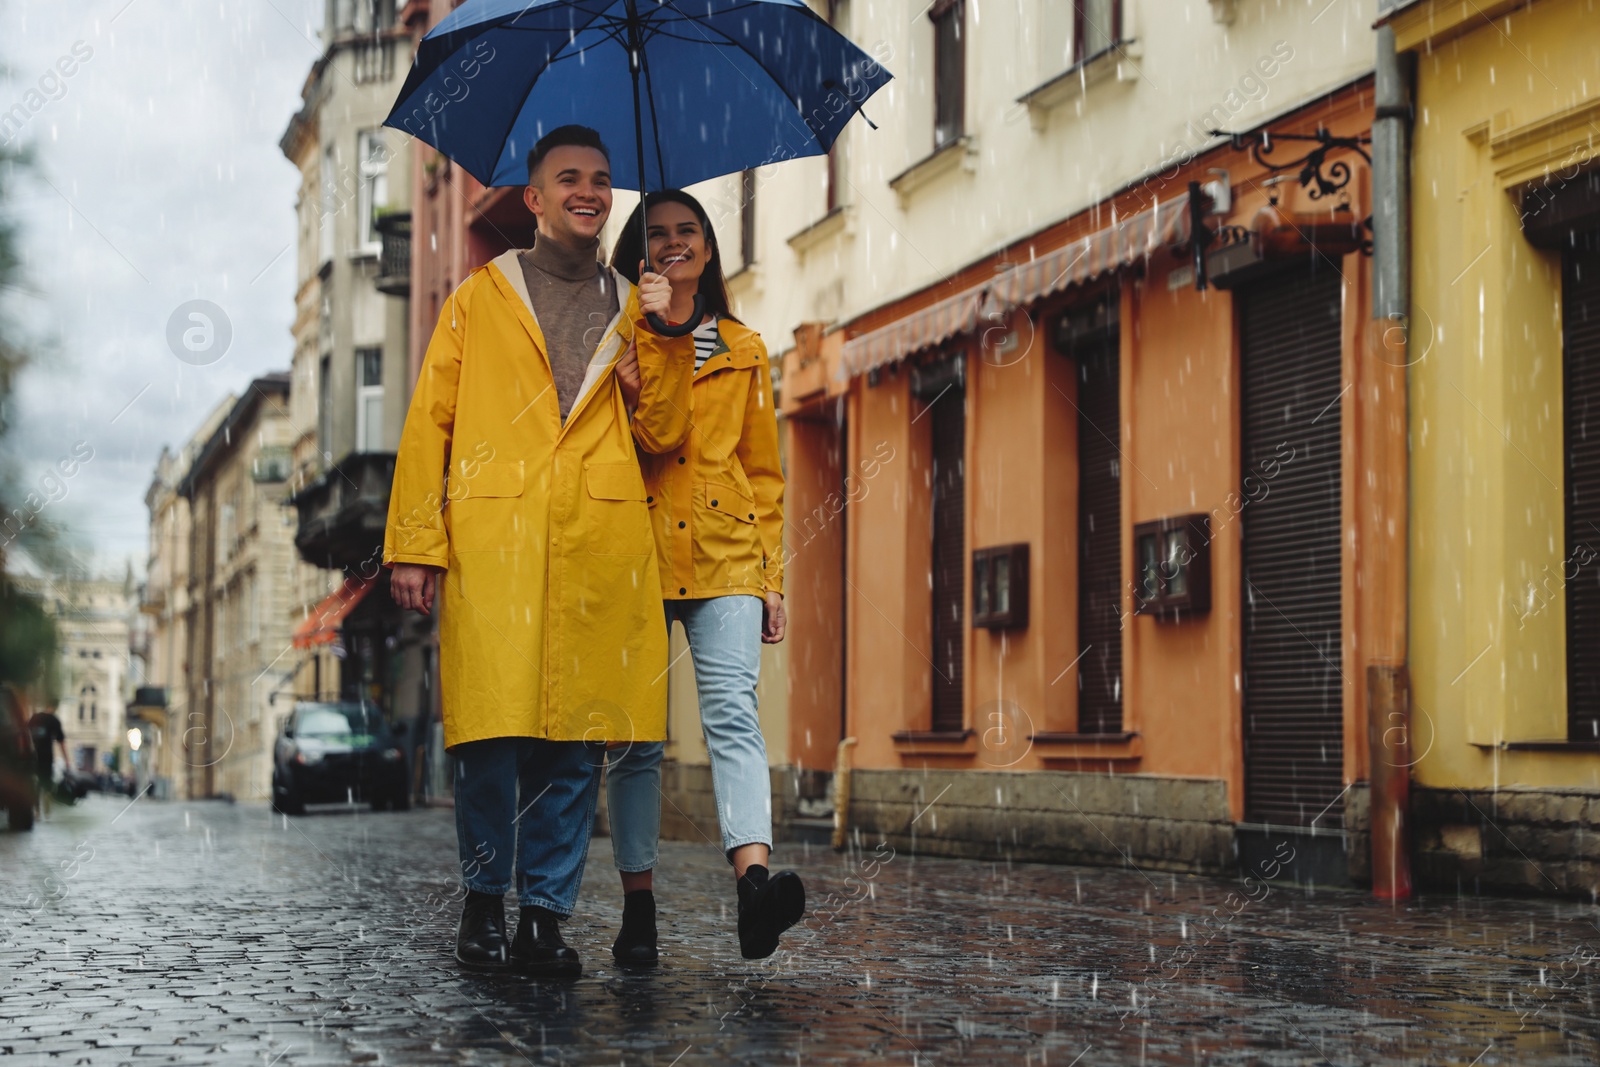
(240, 571)
(92, 617)
(164, 601)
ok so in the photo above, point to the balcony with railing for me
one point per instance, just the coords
(342, 514)
(394, 264)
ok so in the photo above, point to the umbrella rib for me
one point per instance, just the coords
(516, 112)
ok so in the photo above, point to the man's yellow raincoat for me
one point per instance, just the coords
(550, 619)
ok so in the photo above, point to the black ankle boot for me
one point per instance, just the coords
(767, 907)
(481, 937)
(636, 944)
(538, 948)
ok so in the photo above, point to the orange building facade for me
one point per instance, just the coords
(1070, 512)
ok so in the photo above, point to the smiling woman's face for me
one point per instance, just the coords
(677, 242)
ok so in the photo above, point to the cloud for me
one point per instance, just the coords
(158, 181)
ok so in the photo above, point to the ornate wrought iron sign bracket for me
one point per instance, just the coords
(1319, 177)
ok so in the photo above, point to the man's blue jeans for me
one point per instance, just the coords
(536, 795)
(725, 643)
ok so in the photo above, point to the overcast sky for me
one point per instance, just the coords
(158, 181)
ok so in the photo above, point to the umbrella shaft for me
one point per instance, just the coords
(635, 62)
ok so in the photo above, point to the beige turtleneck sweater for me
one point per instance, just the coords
(574, 298)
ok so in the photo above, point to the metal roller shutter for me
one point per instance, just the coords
(1580, 316)
(1099, 541)
(1293, 674)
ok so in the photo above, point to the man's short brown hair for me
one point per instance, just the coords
(578, 136)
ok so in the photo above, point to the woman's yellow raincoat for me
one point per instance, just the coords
(549, 608)
(716, 501)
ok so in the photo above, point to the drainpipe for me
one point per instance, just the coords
(1384, 534)
(841, 793)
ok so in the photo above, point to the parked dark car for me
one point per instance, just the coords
(332, 752)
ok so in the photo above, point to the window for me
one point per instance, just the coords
(362, 16)
(226, 528)
(747, 218)
(949, 73)
(255, 607)
(1096, 26)
(836, 175)
(839, 19)
(940, 389)
(330, 202)
(369, 400)
(374, 192)
(325, 406)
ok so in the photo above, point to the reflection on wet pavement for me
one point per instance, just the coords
(215, 933)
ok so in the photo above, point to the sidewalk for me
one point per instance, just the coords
(214, 933)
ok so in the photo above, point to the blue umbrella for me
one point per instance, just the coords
(727, 85)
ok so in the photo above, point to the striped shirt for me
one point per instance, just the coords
(705, 342)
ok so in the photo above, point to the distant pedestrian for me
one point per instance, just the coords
(717, 506)
(44, 729)
(518, 494)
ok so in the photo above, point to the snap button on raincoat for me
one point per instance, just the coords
(716, 500)
(549, 607)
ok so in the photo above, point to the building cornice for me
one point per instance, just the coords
(1433, 22)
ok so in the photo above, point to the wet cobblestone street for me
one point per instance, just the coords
(215, 933)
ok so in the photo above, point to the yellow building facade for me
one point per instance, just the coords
(1506, 218)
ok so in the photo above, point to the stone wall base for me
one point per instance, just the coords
(1510, 840)
(1169, 824)
(1515, 840)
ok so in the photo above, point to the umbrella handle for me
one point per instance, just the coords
(659, 325)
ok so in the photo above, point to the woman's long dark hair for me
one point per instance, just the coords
(628, 252)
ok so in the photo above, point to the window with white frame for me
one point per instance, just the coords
(369, 399)
(374, 192)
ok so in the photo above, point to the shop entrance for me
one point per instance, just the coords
(1290, 344)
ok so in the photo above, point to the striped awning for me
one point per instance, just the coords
(321, 627)
(921, 329)
(1121, 244)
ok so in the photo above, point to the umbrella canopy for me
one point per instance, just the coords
(727, 85)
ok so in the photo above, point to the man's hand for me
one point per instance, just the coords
(655, 294)
(774, 621)
(411, 585)
(628, 377)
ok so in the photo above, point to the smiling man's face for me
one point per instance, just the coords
(571, 195)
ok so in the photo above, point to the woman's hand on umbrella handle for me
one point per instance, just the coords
(655, 292)
(655, 301)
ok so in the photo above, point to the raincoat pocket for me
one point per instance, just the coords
(484, 502)
(730, 501)
(618, 522)
(725, 537)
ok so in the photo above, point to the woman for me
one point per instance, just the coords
(716, 506)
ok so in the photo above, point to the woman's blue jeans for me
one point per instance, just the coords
(725, 643)
(537, 796)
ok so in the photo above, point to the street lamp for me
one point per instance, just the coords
(135, 738)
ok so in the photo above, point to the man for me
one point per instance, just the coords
(518, 498)
(45, 728)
